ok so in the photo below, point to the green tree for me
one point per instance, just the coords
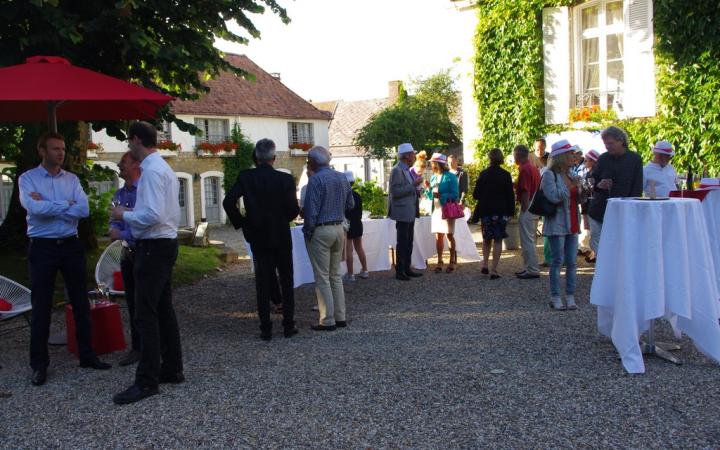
(241, 160)
(167, 46)
(426, 119)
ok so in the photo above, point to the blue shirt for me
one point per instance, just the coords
(157, 205)
(53, 216)
(328, 196)
(125, 196)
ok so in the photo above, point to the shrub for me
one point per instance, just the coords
(373, 197)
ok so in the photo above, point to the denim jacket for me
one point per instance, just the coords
(556, 191)
(448, 187)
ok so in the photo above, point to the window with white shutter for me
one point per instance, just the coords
(639, 99)
(214, 131)
(556, 60)
(599, 54)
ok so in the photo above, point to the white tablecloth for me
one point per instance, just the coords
(424, 241)
(375, 243)
(711, 209)
(654, 261)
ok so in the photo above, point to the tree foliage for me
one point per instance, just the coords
(509, 79)
(161, 45)
(241, 160)
(426, 118)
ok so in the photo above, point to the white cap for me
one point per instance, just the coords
(664, 148)
(350, 176)
(592, 155)
(405, 148)
(439, 158)
(560, 147)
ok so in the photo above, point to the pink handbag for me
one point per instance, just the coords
(452, 210)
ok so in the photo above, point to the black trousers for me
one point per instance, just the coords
(154, 312)
(403, 249)
(46, 257)
(127, 264)
(267, 262)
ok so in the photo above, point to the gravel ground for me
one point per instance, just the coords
(444, 361)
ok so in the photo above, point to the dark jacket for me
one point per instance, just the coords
(494, 193)
(270, 205)
(626, 172)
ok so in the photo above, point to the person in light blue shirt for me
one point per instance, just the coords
(54, 202)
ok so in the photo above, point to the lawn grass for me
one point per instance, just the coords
(193, 264)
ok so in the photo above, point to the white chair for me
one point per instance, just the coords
(107, 265)
(18, 296)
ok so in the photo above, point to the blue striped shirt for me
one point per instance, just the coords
(53, 216)
(328, 196)
(125, 196)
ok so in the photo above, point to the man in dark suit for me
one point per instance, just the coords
(270, 205)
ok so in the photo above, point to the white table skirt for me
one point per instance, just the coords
(711, 209)
(375, 243)
(654, 261)
(424, 241)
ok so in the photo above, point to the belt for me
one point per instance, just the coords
(57, 241)
(326, 224)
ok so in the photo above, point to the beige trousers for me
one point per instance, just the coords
(325, 251)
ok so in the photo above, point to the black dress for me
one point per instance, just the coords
(354, 216)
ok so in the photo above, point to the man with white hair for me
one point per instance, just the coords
(270, 205)
(659, 176)
(327, 198)
(403, 209)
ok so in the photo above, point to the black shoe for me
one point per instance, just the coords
(95, 364)
(266, 335)
(39, 377)
(484, 271)
(494, 276)
(528, 276)
(401, 276)
(410, 273)
(172, 378)
(323, 327)
(131, 357)
(521, 272)
(134, 394)
(340, 323)
(290, 332)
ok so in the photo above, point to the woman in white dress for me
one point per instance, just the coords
(442, 188)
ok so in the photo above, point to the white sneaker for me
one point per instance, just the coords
(557, 304)
(570, 301)
(364, 275)
(348, 278)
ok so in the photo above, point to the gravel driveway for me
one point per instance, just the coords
(444, 361)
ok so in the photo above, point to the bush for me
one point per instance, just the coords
(373, 197)
(241, 160)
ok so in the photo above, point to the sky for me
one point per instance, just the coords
(350, 49)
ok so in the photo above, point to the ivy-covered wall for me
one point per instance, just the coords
(509, 79)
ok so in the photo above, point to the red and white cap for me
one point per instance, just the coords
(439, 158)
(664, 148)
(560, 147)
(592, 155)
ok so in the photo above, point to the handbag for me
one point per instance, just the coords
(541, 206)
(452, 210)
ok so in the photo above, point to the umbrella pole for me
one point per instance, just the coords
(52, 116)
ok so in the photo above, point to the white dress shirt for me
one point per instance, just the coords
(665, 179)
(157, 209)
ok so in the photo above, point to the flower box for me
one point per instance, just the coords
(220, 149)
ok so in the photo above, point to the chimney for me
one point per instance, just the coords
(394, 90)
(275, 75)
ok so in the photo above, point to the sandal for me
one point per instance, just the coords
(494, 276)
(450, 269)
(438, 268)
(484, 271)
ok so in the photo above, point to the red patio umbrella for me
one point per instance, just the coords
(50, 88)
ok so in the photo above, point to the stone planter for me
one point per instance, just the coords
(512, 242)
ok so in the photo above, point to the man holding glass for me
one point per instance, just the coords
(618, 173)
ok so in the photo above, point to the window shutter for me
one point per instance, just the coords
(639, 91)
(556, 59)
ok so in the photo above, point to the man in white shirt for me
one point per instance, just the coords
(659, 174)
(154, 222)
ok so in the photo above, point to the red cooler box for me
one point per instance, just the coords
(107, 328)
